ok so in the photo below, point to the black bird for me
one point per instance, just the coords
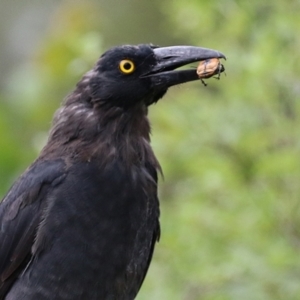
(83, 220)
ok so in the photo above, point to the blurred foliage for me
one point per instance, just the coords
(230, 151)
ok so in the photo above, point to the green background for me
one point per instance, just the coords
(230, 210)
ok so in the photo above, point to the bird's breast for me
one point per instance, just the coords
(97, 233)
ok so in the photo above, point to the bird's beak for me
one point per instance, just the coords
(169, 58)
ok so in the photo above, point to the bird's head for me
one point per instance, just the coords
(111, 100)
(127, 75)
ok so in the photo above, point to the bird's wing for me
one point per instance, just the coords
(20, 215)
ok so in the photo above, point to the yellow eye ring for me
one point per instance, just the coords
(126, 66)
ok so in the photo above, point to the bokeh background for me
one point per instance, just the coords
(230, 151)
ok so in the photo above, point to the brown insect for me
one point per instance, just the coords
(208, 68)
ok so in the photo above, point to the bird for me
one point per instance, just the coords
(83, 220)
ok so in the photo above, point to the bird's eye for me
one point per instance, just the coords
(126, 66)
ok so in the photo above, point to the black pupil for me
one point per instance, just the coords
(127, 66)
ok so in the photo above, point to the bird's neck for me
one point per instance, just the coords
(84, 132)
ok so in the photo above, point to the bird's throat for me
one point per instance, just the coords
(102, 134)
